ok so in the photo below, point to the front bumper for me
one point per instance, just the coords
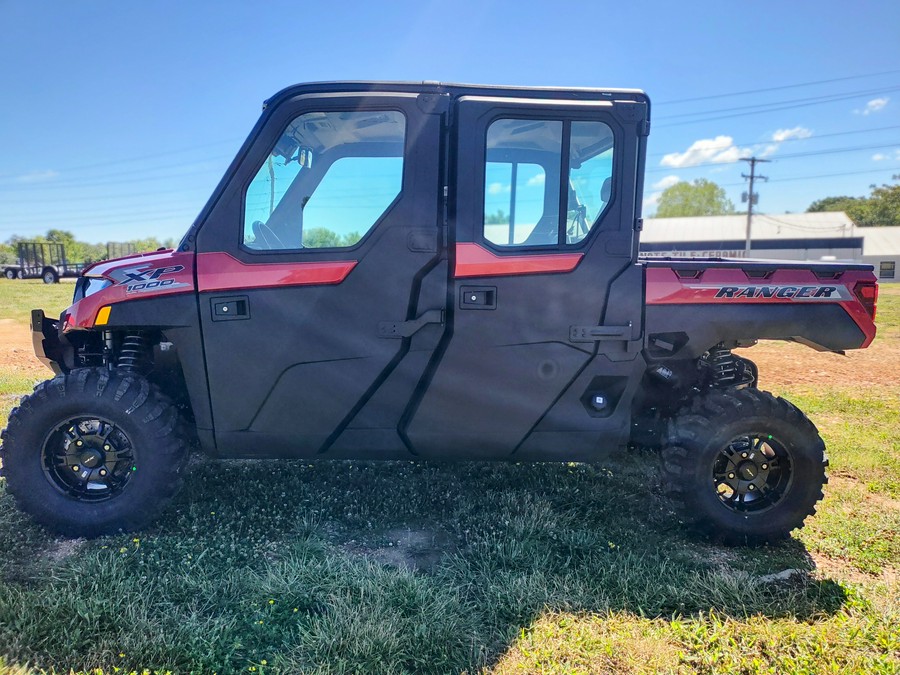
(50, 346)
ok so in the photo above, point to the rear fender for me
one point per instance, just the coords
(723, 304)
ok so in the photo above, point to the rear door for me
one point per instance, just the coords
(545, 299)
(320, 276)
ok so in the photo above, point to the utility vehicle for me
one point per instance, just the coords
(430, 271)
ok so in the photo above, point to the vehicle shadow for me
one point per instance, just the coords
(478, 552)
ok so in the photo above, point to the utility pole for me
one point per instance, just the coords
(750, 197)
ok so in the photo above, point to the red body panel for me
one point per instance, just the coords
(221, 272)
(473, 260)
(723, 285)
(134, 277)
(168, 273)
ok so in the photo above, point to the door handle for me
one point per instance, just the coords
(230, 309)
(478, 297)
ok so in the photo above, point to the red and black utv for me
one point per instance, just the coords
(430, 271)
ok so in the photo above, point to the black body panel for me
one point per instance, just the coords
(306, 361)
(827, 326)
(507, 361)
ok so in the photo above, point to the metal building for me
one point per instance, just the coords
(826, 236)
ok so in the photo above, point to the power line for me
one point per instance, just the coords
(778, 88)
(141, 158)
(823, 98)
(804, 138)
(101, 181)
(821, 175)
(776, 108)
(792, 155)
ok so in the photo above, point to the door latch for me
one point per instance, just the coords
(599, 333)
(405, 329)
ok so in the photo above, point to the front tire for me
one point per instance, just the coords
(93, 452)
(50, 277)
(744, 466)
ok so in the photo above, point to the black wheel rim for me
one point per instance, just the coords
(89, 459)
(753, 473)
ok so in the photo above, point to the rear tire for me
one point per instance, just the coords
(93, 452)
(744, 466)
(50, 277)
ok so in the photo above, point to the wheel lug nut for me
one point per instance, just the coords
(764, 467)
(731, 475)
(751, 487)
(79, 443)
(106, 447)
(744, 455)
(75, 467)
(102, 472)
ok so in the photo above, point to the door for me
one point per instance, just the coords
(544, 320)
(320, 276)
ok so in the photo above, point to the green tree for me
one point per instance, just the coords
(7, 254)
(322, 237)
(700, 198)
(498, 218)
(881, 207)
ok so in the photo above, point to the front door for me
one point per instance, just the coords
(320, 276)
(544, 321)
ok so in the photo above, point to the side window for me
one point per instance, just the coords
(329, 179)
(521, 184)
(524, 162)
(590, 177)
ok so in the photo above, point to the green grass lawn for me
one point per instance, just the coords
(285, 567)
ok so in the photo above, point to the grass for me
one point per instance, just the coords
(19, 296)
(283, 567)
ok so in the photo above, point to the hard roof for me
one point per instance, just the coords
(460, 89)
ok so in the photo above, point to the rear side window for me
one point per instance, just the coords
(528, 163)
(327, 182)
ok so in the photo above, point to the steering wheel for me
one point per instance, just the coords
(265, 237)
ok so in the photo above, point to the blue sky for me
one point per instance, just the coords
(118, 118)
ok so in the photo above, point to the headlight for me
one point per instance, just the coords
(87, 286)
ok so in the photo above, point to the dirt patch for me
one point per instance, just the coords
(840, 570)
(17, 352)
(787, 364)
(416, 549)
(62, 550)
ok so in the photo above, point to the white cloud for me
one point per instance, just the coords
(651, 201)
(722, 149)
(666, 182)
(718, 150)
(539, 179)
(881, 157)
(782, 135)
(498, 188)
(37, 176)
(873, 106)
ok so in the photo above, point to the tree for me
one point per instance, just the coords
(322, 237)
(881, 207)
(700, 198)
